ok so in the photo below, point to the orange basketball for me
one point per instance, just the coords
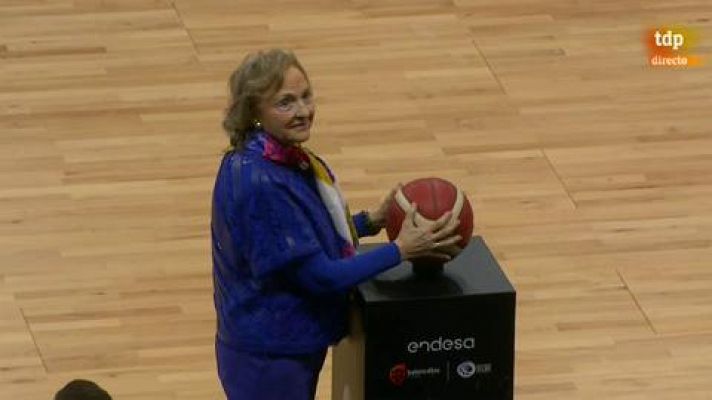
(434, 197)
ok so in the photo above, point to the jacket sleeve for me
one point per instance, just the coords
(319, 275)
(362, 226)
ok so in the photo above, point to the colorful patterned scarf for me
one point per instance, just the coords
(304, 159)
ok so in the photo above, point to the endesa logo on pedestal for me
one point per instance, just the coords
(672, 47)
(440, 344)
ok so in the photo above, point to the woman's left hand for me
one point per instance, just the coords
(378, 216)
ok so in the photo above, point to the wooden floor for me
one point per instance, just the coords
(590, 174)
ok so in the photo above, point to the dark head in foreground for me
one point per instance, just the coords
(80, 389)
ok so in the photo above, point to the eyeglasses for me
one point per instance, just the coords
(290, 104)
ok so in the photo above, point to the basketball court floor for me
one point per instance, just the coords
(590, 174)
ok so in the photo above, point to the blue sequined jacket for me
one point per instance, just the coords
(265, 218)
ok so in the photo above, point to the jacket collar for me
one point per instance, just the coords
(292, 156)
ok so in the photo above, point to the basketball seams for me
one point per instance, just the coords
(433, 197)
(402, 200)
(459, 201)
(434, 194)
(404, 204)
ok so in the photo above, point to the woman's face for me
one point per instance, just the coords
(288, 114)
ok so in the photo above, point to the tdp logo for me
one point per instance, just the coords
(671, 47)
(669, 39)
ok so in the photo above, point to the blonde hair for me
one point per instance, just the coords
(259, 75)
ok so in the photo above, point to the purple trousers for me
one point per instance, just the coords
(252, 376)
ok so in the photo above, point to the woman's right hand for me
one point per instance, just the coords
(418, 241)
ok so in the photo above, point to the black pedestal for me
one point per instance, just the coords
(447, 336)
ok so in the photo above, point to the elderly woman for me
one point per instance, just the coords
(284, 241)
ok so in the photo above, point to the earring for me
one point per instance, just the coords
(258, 124)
